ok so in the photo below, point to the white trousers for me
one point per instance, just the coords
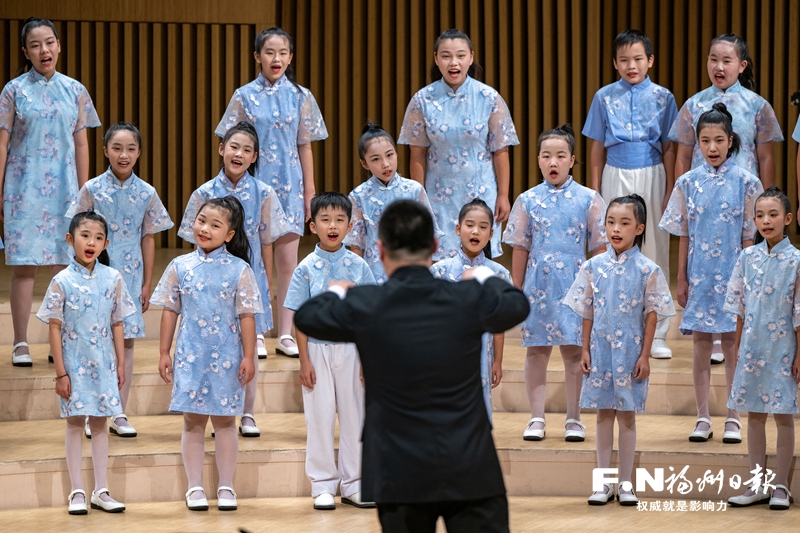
(650, 184)
(338, 388)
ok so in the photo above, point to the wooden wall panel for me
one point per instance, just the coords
(171, 68)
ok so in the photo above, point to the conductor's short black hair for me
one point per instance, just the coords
(335, 200)
(406, 230)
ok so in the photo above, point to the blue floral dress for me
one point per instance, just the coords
(210, 292)
(369, 200)
(617, 292)
(715, 209)
(753, 120)
(41, 179)
(451, 269)
(132, 210)
(555, 225)
(461, 130)
(285, 116)
(264, 223)
(88, 304)
(765, 292)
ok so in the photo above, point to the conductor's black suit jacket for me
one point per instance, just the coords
(427, 436)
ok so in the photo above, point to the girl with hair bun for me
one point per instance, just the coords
(377, 152)
(711, 210)
(459, 130)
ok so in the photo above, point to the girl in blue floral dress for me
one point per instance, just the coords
(85, 306)
(475, 228)
(134, 213)
(264, 223)
(216, 293)
(550, 227)
(459, 130)
(378, 154)
(621, 295)
(287, 120)
(764, 294)
(711, 210)
(44, 160)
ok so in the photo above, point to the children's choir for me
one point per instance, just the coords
(608, 314)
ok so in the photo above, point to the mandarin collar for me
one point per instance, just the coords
(389, 186)
(735, 88)
(228, 184)
(644, 84)
(115, 181)
(624, 256)
(564, 186)
(211, 257)
(330, 256)
(465, 260)
(40, 79)
(461, 89)
(723, 168)
(82, 270)
(267, 84)
(778, 248)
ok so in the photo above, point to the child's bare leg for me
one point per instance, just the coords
(728, 340)
(785, 451)
(193, 450)
(627, 444)
(226, 448)
(701, 372)
(536, 361)
(125, 390)
(72, 445)
(757, 442)
(573, 379)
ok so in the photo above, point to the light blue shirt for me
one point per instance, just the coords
(314, 273)
(796, 134)
(284, 116)
(632, 121)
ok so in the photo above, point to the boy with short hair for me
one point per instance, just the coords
(330, 372)
(629, 123)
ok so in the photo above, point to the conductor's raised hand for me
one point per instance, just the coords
(346, 285)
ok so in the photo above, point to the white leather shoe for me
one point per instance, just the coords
(86, 430)
(660, 350)
(226, 504)
(122, 431)
(732, 437)
(716, 353)
(355, 500)
(745, 501)
(534, 434)
(249, 431)
(109, 507)
(602, 498)
(196, 505)
(261, 348)
(77, 508)
(20, 360)
(627, 498)
(324, 502)
(574, 435)
(288, 351)
(699, 435)
(780, 504)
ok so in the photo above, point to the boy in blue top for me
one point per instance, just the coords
(329, 372)
(629, 123)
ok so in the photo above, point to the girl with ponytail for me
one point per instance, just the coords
(730, 69)
(711, 210)
(216, 292)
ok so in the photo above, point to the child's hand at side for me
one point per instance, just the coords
(642, 368)
(586, 361)
(308, 378)
(120, 374)
(796, 369)
(497, 373)
(165, 367)
(64, 387)
(247, 369)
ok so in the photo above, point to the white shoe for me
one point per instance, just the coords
(660, 350)
(122, 431)
(534, 434)
(261, 348)
(698, 435)
(196, 505)
(745, 501)
(21, 360)
(86, 430)
(355, 501)
(574, 435)
(627, 498)
(602, 498)
(109, 507)
(288, 351)
(716, 353)
(324, 502)
(780, 504)
(226, 504)
(732, 437)
(77, 508)
(249, 431)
